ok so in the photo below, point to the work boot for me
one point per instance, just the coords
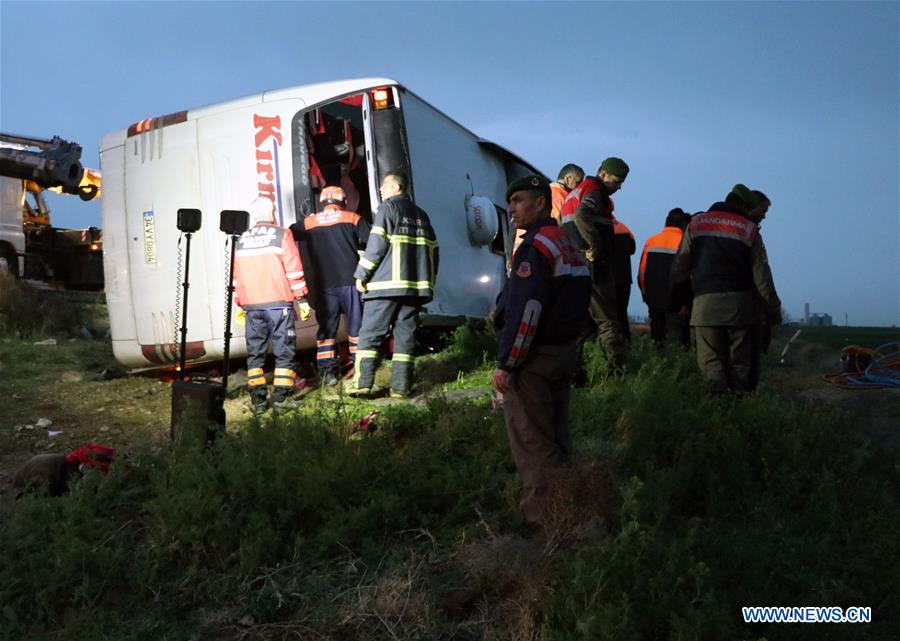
(400, 394)
(329, 379)
(258, 399)
(360, 392)
(401, 378)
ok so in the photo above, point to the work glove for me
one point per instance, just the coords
(303, 309)
(240, 316)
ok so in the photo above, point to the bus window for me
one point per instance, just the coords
(329, 149)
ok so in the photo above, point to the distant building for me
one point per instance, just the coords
(815, 319)
(819, 320)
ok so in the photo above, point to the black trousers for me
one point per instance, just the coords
(379, 315)
(623, 295)
(669, 327)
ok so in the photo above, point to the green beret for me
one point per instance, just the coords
(615, 166)
(534, 182)
(742, 196)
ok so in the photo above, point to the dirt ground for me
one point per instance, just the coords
(816, 352)
(79, 388)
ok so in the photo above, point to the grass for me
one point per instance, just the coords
(837, 337)
(680, 509)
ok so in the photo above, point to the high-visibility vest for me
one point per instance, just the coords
(656, 263)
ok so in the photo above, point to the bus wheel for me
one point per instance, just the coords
(9, 265)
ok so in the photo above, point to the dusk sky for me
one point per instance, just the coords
(798, 99)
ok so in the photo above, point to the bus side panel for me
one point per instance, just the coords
(442, 154)
(161, 176)
(244, 154)
(115, 258)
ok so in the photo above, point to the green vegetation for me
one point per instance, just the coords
(681, 509)
(838, 337)
(32, 314)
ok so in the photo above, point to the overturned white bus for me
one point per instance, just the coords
(286, 145)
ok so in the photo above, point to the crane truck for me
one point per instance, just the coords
(30, 246)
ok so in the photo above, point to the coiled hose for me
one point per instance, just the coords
(866, 368)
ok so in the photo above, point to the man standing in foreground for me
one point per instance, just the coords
(396, 277)
(724, 256)
(268, 278)
(539, 317)
(588, 221)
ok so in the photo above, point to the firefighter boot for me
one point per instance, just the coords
(258, 398)
(401, 377)
(364, 376)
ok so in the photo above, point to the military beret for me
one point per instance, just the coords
(534, 182)
(615, 166)
(742, 196)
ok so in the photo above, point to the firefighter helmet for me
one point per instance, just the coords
(332, 196)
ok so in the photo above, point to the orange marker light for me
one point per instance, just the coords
(381, 97)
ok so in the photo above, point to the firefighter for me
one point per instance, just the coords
(540, 315)
(570, 176)
(268, 278)
(334, 237)
(723, 254)
(588, 221)
(623, 249)
(396, 277)
(653, 280)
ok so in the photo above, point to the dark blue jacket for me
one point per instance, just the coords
(546, 298)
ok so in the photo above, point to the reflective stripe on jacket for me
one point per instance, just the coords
(268, 271)
(721, 242)
(656, 263)
(558, 194)
(545, 300)
(587, 218)
(334, 237)
(401, 257)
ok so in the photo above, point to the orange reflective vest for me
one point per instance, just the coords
(267, 268)
(656, 263)
(558, 195)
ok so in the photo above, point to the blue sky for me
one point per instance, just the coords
(799, 99)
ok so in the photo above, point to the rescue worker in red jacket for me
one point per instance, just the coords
(723, 254)
(588, 221)
(623, 249)
(334, 237)
(268, 278)
(540, 315)
(396, 276)
(653, 280)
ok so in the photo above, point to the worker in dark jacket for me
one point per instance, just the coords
(396, 277)
(588, 221)
(653, 280)
(763, 330)
(268, 278)
(334, 237)
(724, 256)
(623, 249)
(539, 317)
